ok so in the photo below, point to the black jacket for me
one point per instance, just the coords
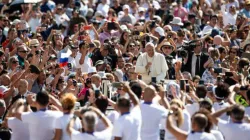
(188, 66)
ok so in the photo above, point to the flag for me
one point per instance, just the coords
(64, 58)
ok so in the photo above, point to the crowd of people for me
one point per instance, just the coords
(125, 70)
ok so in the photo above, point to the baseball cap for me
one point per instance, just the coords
(99, 62)
(160, 31)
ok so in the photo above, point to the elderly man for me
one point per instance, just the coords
(151, 65)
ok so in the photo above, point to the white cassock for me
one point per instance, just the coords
(158, 68)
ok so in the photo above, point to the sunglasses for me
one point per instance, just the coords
(23, 51)
(233, 52)
(14, 62)
(34, 46)
(132, 72)
(167, 47)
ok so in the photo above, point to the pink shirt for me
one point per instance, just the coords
(181, 12)
(105, 35)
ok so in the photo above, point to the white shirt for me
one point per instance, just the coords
(217, 134)
(61, 18)
(62, 123)
(103, 135)
(41, 123)
(128, 126)
(104, 8)
(194, 58)
(34, 23)
(72, 61)
(152, 114)
(218, 106)
(112, 116)
(19, 129)
(186, 126)
(200, 136)
(192, 108)
(87, 62)
(234, 131)
(247, 111)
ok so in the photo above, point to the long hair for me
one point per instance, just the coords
(177, 107)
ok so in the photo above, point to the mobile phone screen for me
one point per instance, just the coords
(182, 84)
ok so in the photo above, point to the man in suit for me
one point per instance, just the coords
(196, 61)
(151, 64)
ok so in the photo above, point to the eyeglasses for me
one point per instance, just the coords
(23, 51)
(167, 47)
(15, 62)
(132, 72)
(233, 52)
(34, 46)
(131, 46)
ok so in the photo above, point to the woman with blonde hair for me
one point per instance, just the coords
(181, 118)
(68, 103)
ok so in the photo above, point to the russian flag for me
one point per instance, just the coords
(64, 58)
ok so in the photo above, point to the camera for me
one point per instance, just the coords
(186, 48)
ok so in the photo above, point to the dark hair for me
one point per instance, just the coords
(136, 88)
(122, 40)
(82, 44)
(201, 91)
(102, 103)
(213, 16)
(222, 90)
(238, 112)
(243, 62)
(123, 102)
(206, 104)
(42, 98)
(203, 122)
(221, 49)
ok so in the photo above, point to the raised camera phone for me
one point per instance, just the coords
(182, 84)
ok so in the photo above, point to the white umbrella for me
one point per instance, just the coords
(15, 2)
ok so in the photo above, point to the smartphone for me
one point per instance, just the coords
(116, 84)
(37, 52)
(97, 93)
(153, 80)
(218, 70)
(34, 69)
(58, 31)
(142, 20)
(229, 74)
(139, 77)
(91, 45)
(74, 83)
(147, 39)
(88, 27)
(136, 33)
(210, 89)
(182, 84)
(187, 88)
(218, 78)
(201, 82)
(69, 66)
(111, 26)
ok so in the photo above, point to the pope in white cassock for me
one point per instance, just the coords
(151, 64)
